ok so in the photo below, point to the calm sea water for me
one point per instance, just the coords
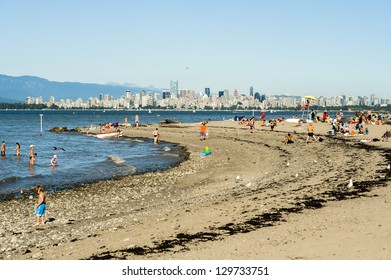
(86, 158)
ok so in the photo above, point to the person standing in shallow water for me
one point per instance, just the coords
(53, 161)
(40, 206)
(17, 149)
(156, 136)
(3, 149)
(32, 155)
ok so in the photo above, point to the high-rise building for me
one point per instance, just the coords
(372, 99)
(257, 96)
(221, 93)
(251, 91)
(207, 92)
(174, 88)
(226, 93)
(236, 93)
(166, 94)
(183, 93)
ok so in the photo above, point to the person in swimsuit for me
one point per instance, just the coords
(40, 206)
(17, 149)
(3, 149)
(53, 161)
(310, 132)
(156, 136)
(32, 155)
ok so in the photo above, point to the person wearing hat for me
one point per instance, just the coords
(32, 155)
(53, 160)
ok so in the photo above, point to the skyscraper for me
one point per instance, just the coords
(251, 91)
(207, 92)
(226, 93)
(236, 93)
(372, 99)
(174, 88)
(258, 96)
(128, 94)
(166, 94)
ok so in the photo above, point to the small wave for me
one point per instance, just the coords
(115, 159)
(130, 169)
(9, 179)
(137, 140)
(166, 149)
(169, 155)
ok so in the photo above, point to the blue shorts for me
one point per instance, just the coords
(41, 209)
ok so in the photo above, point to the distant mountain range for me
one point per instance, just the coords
(16, 89)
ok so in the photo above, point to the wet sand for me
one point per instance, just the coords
(244, 201)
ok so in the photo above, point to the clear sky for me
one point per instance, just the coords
(278, 47)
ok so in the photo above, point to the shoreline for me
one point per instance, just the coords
(182, 154)
(188, 211)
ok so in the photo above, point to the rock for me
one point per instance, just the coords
(59, 129)
(37, 256)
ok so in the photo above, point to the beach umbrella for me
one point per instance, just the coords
(310, 97)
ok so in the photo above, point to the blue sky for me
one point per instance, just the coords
(278, 47)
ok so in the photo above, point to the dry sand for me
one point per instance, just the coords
(200, 210)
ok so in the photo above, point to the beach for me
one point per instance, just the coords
(251, 198)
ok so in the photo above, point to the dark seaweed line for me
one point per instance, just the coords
(182, 240)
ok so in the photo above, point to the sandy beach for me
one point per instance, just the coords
(251, 198)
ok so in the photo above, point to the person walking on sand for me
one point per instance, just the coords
(32, 155)
(40, 206)
(203, 131)
(17, 149)
(3, 149)
(310, 133)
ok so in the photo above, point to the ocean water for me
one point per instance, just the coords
(87, 158)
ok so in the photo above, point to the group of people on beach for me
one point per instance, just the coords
(357, 125)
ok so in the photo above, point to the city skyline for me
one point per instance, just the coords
(189, 99)
(276, 47)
